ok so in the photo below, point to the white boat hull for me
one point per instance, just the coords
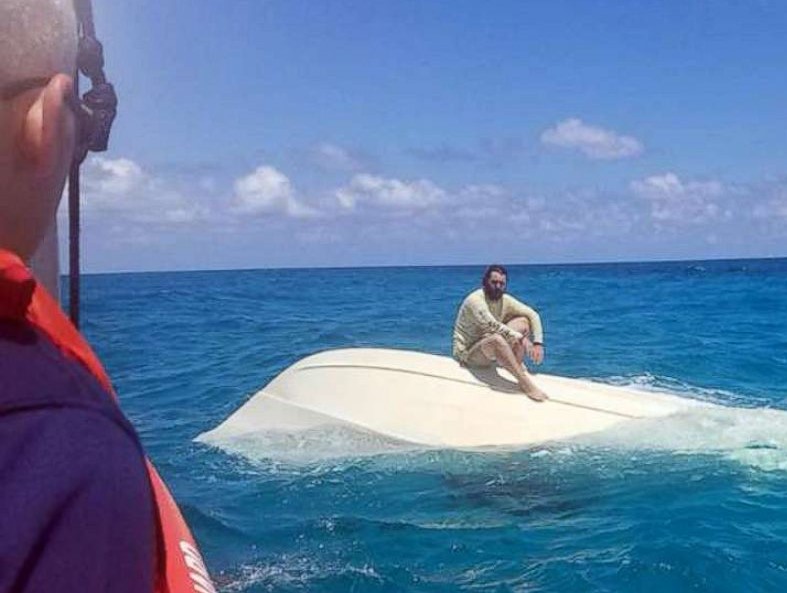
(432, 400)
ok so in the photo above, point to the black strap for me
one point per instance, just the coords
(97, 111)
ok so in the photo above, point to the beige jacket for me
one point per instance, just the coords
(479, 317)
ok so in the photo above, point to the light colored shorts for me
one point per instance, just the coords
(476, 358)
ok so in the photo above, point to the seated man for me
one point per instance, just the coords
(494, 327)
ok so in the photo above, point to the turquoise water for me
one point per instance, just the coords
(698, 503)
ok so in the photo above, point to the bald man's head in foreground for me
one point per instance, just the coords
(38, 48)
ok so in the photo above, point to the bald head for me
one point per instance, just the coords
(37, 38)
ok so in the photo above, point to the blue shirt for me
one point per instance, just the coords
(76, 507)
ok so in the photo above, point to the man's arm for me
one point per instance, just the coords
(515, 308)
(487, 322)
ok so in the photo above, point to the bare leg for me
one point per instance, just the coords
(519, 351)
(498, 349)
(522, 325)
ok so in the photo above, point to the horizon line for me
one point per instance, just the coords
(463, 265)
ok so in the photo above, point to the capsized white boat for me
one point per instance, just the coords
(432, 400)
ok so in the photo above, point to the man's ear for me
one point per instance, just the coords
(47, 133)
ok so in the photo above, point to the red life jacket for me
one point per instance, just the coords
(179, 565)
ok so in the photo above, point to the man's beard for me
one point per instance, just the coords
(493, 294)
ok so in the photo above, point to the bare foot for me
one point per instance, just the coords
(534, 393)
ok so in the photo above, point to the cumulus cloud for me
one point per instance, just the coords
(170, 212)
(392, 194)
(672, 200)
(495, 213)
(265, 192)
(331, 157)
(116, 177)
(480, 204)
(592, 141)
(122, 190)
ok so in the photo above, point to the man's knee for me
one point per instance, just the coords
(492, 345)
(520, 324)
(503, 348)
(499, 341)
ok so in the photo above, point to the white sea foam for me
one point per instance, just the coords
(673, 386)
(308, 446)
(755, 437)
(288, 571)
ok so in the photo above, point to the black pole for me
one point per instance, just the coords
(97, 112)
(73, 233)
(73, 244)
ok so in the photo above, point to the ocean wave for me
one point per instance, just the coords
(755, 438)
(673, 386)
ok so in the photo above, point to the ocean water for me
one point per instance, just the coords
(696, 503)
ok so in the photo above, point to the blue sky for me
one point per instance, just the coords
(307, 133)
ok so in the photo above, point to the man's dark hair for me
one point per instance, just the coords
(493, 268)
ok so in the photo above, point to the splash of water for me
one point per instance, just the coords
(755, 437)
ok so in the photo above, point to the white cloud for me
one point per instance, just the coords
(480, 204)
(335, 158)
(167, 215)
(114, 177)
(392, 194)
(121, 190)
(267, 191)
(594, 142)
(674, 201)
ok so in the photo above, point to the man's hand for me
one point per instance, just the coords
(536, 353)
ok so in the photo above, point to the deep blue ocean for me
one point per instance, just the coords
(694, 503)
